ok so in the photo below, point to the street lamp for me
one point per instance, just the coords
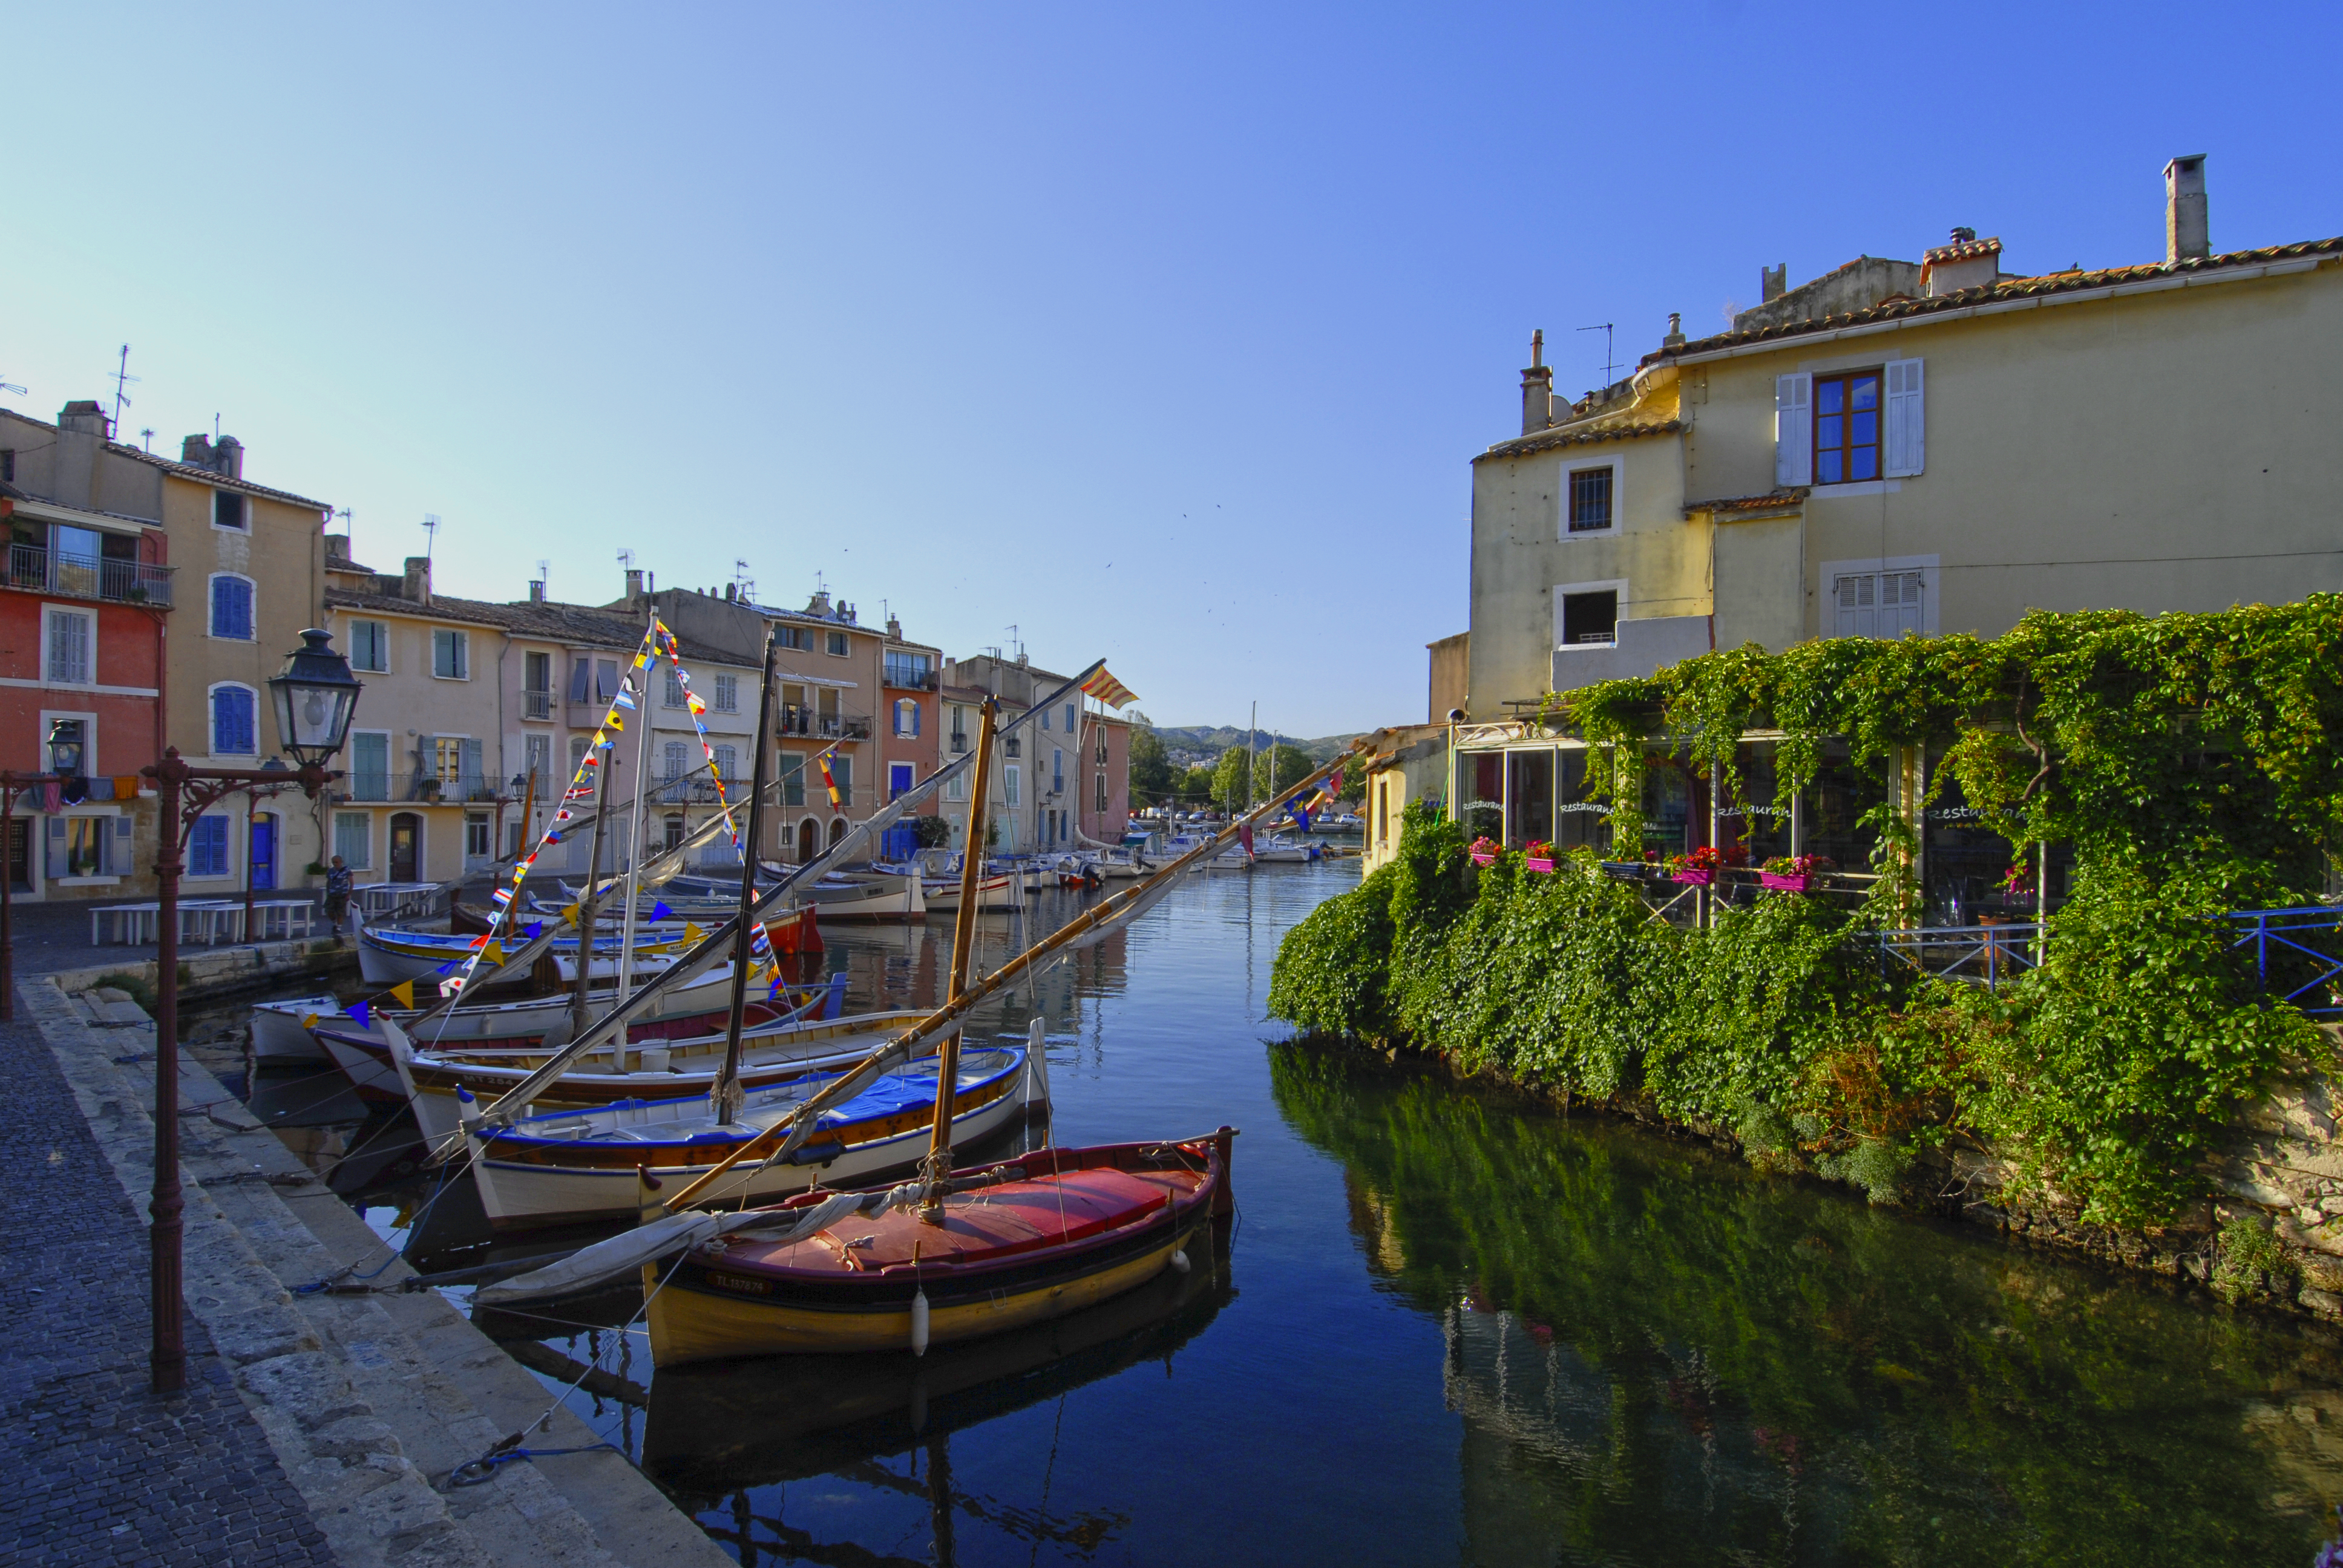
(66, 746)
(315, 696)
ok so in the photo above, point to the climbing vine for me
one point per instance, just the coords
(2192, 763)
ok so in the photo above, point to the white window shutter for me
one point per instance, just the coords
(1907, 422)
(1794, 440)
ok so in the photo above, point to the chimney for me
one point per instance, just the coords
(820, 604)
(2187, 234)
(337, 549)
(195, 451)
(895, 628)
(83, 416)
(417, 585)
(634, 583)
(537, 590)
(228, 457)
(1537, 387)
(1675, 337)
(731, 593)
(1962, 261)
(1772, 281)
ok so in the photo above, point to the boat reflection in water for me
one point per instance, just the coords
(726, 1428)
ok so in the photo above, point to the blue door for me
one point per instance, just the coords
(264, 852)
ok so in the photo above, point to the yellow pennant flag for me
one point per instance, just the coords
(494, 953)
(569, 913)
(405, 991)
(692, 934)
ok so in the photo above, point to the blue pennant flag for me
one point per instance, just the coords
(449, 969)
(359, 1011)
(1301, 814)
(533, 930)
(659, 911)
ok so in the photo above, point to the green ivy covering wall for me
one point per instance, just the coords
(2193, 763)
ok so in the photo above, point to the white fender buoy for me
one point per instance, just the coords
(920, 1324)
(1179, 1259)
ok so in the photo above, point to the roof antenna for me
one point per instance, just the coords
(744, 587)
(216, 429)
(11, 387)
(430, 534)
(1605, 328)
(545, 574)
(350, 520)
(146, 438)
(121, 379)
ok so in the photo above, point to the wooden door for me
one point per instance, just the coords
(405, 843)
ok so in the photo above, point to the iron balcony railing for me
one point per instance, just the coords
(536, 704)
(119, 582)
(805, 721)
(909, 679)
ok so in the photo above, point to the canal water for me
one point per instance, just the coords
(1448, 1325)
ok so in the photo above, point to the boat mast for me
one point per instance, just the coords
(1252, 762)
(972, 891)
(726, 1094)
(635, 843)
(589, 900)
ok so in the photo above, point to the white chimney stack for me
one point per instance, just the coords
(2187, 235)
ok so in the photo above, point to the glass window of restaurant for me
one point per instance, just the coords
(1675, 806)
(1481, 792)
(1529, 796)
(1755, 818)
(1579, 821)
(1831, 810)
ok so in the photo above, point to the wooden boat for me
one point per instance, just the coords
(714, 1427)
(1058, 1231)
(388, 954)
(577, 1165)
(1283, 852)
(776, 1046)
(867, 898)
(281, 1030)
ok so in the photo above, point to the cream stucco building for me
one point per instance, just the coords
(1930, 446)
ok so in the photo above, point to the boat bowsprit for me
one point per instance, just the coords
(1052, 1232)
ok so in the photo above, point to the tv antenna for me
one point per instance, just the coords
(349, 519)
(626, 559)
(146, 439)
(7, 385)
(545, 572)
(122, 380)
(1605, 328)
(743, 585)
(430, 533)
(1016, 641)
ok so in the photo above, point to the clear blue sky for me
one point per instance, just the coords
(1164, 334)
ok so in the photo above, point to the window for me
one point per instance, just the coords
(477, 845)
(898, 780)
(8, 466)
(370, 767)
(1045, 718)
(354, 839)
(1846, 428)
(451, 654)
(908, 670)
(227, 509)
(537, 685)
(672, 760)
(234, 729)
(537, 762)
(728, 768)
(956, 786)
(1589, 499)
(69, 648)
(842, 771)
(1057, 771)
(959, 729)
(1101, 780)
(577, 754)
(837, 644)
(1590, 618)
(907, 717)
(77, 554)
(582, 671)
(207, 845)
(1010, 782)
(1069, 719)
(1878, 604)
(1101, 743)
(370, 647)
(606, 679)
(728, 694)
(793, 778)
(232, 606)
(673, 695)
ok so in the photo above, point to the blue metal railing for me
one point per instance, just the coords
(1983, 955)
(2263, 930)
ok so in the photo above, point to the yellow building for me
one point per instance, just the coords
(1925, 446)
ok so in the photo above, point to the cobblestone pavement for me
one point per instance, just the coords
(99, 1469)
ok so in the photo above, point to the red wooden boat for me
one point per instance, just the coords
(1029, 1239)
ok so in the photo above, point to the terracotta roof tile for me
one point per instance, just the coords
(2008, 288)
(1548, 440)
(1770, 501)
(550, 621)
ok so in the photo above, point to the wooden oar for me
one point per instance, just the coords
(903, 1046)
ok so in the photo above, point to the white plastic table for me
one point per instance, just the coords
(283, 918)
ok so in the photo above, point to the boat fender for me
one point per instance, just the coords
(920, 1324)
(1179, 1259)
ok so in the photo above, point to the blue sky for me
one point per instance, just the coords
(1165, 335)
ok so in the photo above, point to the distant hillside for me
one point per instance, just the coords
(1200, 738)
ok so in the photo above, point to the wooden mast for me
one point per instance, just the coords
(972, 892)
(727, 1093)
(589, 900)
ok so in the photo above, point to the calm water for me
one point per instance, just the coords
(1450, 1327)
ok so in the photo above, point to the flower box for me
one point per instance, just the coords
(1540, 863)
(1792, 884)
(1695, 879)
(1483, 858)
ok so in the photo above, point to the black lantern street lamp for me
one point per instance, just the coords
(315, 697)
(66, 746)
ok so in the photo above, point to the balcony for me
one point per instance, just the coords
(118, 582)
(805, 721)
(536, 704)
(906, 677)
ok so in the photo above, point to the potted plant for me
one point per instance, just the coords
(1540, 855)
(1483, 850)
(1793, 873)
(1698, 868)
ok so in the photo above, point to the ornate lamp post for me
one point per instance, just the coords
(313, 695)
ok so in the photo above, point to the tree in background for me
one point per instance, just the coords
(1229, 779)
(1354, 779)
(1196, 786)
(1273, 771)
(1150, 765)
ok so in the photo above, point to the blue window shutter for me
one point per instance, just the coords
(232, 722)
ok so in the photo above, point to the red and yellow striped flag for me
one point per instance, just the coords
(836, 803)
(1107, 690)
